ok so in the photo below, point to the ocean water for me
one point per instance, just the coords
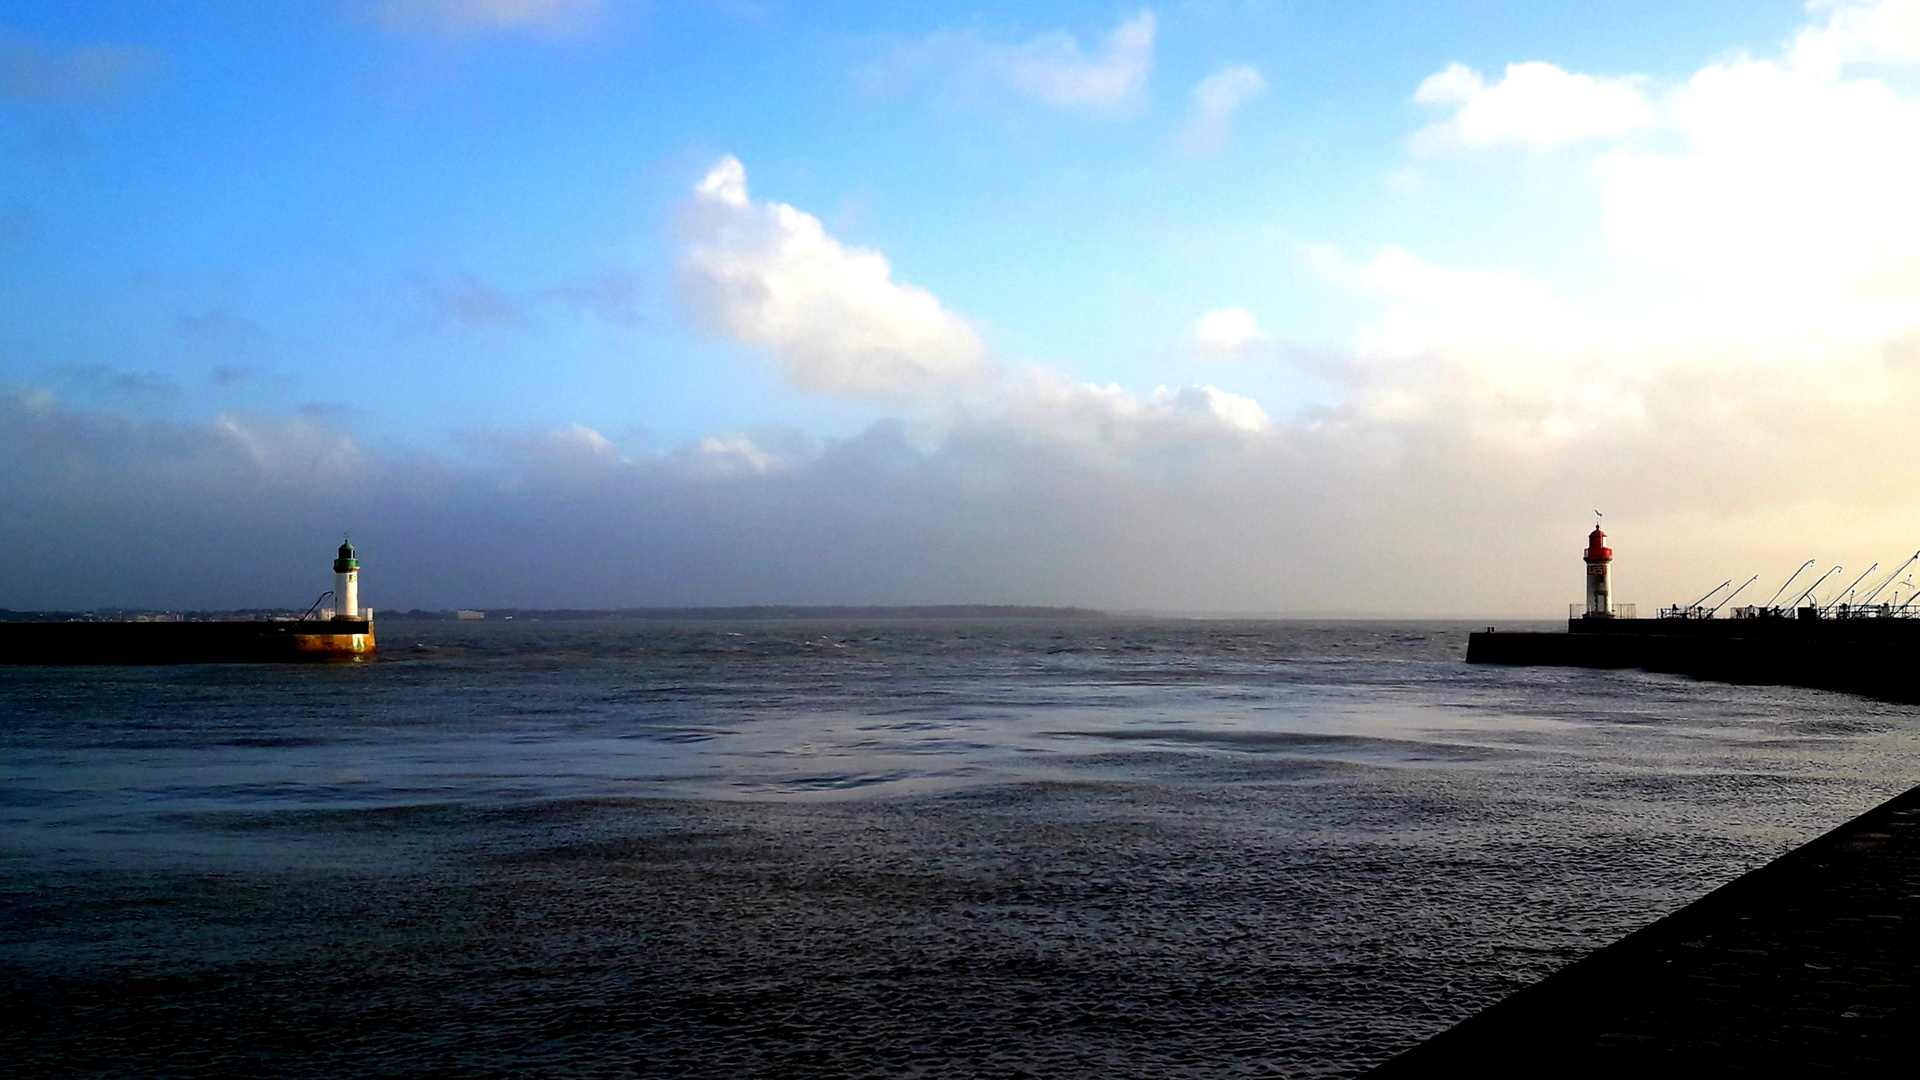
(1112, 849)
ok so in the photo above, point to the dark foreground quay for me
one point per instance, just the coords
(1806, 966)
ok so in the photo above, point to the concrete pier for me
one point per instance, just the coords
(1860, 656)
(219, 642)
(1808, 966)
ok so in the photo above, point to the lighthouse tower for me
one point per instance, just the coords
(1599, 560)
(346, 584)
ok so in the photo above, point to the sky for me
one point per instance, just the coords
(1256, 307)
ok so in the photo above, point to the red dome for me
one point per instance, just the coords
(1597, 549)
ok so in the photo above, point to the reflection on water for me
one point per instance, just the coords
(1154, 849)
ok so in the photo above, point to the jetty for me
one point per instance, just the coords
(212, 642)
(1855, 642)
(1870, 656)
(344, 632)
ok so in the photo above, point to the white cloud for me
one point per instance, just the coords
(1046, 408)
(1425, 305)
(1874, 33)
(1215, 99)
(734, 454)
(573, 445)
(300, 449)
(1740, 355)
(831, 316)
(468, 16)
(1535, 104)
(1787, 206)
(1767, 212)
(1228, 334)
(1232, 411)
(834, 320)
(1051, 68)
(1762, 197)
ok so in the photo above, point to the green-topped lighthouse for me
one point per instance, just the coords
(346, 583)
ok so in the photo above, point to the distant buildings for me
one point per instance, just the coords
(467, 613)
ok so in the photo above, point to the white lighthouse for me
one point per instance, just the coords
(346, 584)
(1599, 560)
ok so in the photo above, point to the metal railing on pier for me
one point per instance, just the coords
(1617, 611)
(1837, 611)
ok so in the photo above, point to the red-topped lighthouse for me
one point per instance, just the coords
(1599, 560)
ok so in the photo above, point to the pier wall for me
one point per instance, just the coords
(1876, 657)
(185, 642)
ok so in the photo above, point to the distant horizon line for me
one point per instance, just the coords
(722, 612)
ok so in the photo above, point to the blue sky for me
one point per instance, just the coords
(300, 189)
(446, 230)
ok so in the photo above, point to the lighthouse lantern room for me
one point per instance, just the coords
(346, 583)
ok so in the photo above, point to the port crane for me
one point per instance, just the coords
(1730, 596)
(1768, 606)
(1848, 591)
(1703, 600)
(1692, 611)
(1911, 597)
(1841, 605)
(1815, 585)
(1890, 579)
(1699, 609)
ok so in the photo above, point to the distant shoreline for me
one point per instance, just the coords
(766, 613)
(772, 612)
(747, 613)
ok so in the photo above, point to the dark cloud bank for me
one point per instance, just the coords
(106, 510)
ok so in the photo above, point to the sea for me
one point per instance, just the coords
(1102, 848)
